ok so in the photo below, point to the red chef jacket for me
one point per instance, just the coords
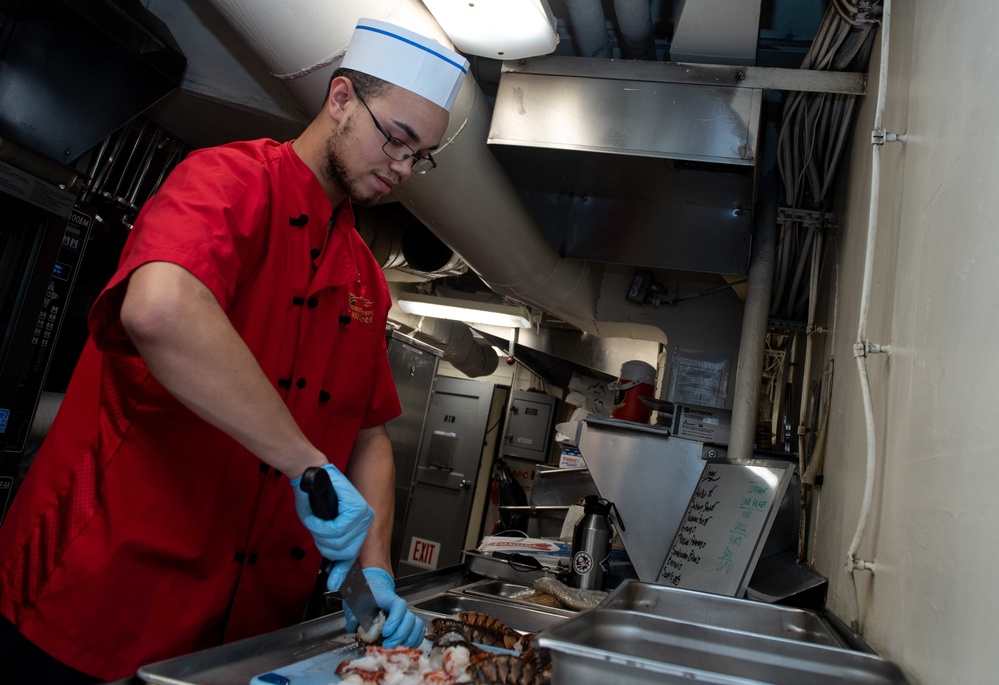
(141, 532)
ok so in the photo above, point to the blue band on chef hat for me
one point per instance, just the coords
(415, 45)
(406, 59)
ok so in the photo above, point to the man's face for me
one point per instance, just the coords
(355, 161)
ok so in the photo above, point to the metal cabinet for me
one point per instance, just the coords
(446, 473)
(529, 425)
(414, 369)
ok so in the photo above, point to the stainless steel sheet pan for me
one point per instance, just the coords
(722, 612)
(631, 648)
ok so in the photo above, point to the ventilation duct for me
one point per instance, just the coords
(472, 356)
(651, 172)
(73, 73)
(716, 31)
(399, 242)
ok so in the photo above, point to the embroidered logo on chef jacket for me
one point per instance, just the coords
(361, 308)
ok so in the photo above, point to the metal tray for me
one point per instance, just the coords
(631, 648)
(496, 588)
(722, 612)
(489, 566)
(520, 616)
(323, 642)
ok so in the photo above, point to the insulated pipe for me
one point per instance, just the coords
(749, 369)
(472, 357)
(303, 41)
(589, 28)
(634, 19)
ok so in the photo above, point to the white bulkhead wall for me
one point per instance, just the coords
(933, 536)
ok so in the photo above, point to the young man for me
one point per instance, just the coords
(240, 342)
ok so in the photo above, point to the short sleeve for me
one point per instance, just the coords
(208, 217)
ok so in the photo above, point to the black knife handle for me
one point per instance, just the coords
(322, 497)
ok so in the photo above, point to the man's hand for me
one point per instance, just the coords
(340, 539)
(402, 626)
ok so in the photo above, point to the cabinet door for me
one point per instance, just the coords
(414, 368)
(450, 456)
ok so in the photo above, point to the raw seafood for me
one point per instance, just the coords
(375, 633)
(478, 628)
(406, 666)
(455, 658)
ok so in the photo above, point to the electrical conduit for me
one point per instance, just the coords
(862, 346)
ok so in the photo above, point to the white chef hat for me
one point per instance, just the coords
(406, 59)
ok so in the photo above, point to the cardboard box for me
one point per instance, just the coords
(705, 424)
(548, 552)
(571, 458)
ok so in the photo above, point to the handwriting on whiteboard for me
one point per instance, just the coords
(722, 525)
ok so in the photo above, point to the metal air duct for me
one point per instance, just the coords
(716, 31)
(472, 356)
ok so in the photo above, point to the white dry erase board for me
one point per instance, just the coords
(727, 520)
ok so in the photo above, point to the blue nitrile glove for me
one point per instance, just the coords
(338, 540)
(402, 626)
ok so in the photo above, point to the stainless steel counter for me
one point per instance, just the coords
(641, 633)
(430, 595)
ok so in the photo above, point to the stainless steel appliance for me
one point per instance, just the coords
(447, 474)
(42, 240)
(414, 370)
(72, 73)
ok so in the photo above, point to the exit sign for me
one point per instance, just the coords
(424, 553)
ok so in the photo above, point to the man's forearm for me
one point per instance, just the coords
(191, 348)
(372, 471)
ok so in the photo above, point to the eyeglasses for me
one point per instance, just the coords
(398, 150)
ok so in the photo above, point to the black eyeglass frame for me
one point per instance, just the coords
(419, 163)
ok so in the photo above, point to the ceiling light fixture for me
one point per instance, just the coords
(465, 310)
(500, 29)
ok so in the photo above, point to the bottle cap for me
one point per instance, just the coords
(596, 505)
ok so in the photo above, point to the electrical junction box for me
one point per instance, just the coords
(529, 425)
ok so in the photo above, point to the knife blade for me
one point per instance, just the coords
(355, 590)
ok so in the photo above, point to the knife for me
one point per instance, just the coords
(355, 590)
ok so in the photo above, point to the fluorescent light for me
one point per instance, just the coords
(465, 310)
(500, 29)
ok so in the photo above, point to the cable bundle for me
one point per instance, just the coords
(812, 137)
